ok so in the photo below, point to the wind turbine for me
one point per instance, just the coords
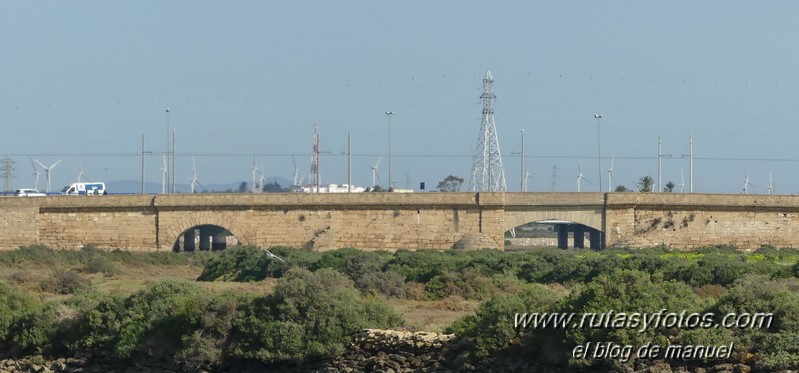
(610, 173)
(770, 184)
(36, 173)
(193, 175)
(375, 175)
(47, 171)
(682, 181)
(580, 175)
(261, 178)
(296, 179)
(747, 184)
(254, 170)
(163, 176)
(80, 173)
(527, 176)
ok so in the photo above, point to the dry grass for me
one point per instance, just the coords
(432, 316)
(418, 314)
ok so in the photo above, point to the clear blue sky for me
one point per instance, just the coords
(82, 80)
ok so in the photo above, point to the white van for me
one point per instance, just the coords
(90, 189)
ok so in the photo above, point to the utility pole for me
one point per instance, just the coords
(599, 150)
(660, 174)
(349, 162)
(174, 182)
(166, 154)
(691, 164)
(523, 171)
(389, 114)
(524, 177)
(555, 178)
(143, 152)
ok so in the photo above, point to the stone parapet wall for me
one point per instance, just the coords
(391, 221)
(385, 221)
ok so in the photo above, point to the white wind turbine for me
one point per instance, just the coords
(580, 175)
(254, 172)
(610, 173)
(163, 176)
(296, 179)
(747, 184)
(36, 174)
(527, 176)
(770, 184)
(261, 178)
(80, 173)
(193, 175)
(47, 171)
(682, 181)
(375, 175)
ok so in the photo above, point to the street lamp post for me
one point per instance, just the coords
(599, 150)
(524, 176)
(166, 154)
(389, 114)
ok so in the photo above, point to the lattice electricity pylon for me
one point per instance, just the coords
(487, 172)
(315, 179)
(7, 173)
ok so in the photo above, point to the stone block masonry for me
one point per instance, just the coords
(391, 221)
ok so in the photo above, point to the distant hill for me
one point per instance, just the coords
(134, 186)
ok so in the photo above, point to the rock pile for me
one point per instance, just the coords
(395, 351)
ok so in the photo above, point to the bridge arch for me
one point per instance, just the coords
(565, 223)
(591, 219)
(172, 234)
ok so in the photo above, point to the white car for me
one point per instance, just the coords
(29, 193)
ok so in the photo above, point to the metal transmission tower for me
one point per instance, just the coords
(314, 180)
(7, 172)
(487, 172)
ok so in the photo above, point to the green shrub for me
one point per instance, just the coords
(469, 284)
(204, 342)
(352, 262)
(423, 265)
(627, 291)
(65, 282)
(492, 327)
(389, 283)
(25, 323)
(34, 328)
(759, 294)
(100, 264)
(310, 314)
(247, 263)
(37, 254)
(154, 319)
(12, 303)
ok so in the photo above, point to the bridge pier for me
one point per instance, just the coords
(596, 239)
(563, 235)
(578, 236)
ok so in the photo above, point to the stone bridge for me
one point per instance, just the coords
(395, 220)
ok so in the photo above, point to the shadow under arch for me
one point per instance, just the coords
(204, 237)
(554, 233)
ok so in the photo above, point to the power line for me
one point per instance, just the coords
(362, 155)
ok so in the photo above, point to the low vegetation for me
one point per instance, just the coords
(320, 299)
